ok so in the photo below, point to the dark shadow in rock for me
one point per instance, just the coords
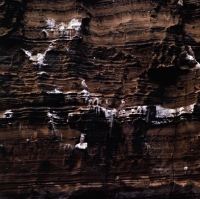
(44, 165)
(139, 134)
(164, 76)
(3, 150)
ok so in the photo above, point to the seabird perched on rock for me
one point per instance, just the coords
(190, 51)
(181, 110)
(132, 111)
(122, 104)
(139, 109)
(106, 103)
(122, 101)
(49, 115)
(96, 101)
(180, 2)
(46, 34)
(185, 168)
(83, 84)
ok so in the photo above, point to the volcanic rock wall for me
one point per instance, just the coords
(99, 99)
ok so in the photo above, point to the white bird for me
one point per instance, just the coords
(106, 103)
(96, 101)
(90, 102)
(132, 110)
(180, 2)
(114, 112)
(83, 84)
(181, 110)
(139, 109)
(185, 168)
(122, 104)
(46, 34)
(49, 114)
(61, 26)
(123, 112)
(190, 51)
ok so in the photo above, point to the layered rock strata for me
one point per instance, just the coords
(99, 99)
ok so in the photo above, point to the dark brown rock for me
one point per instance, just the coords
(137, 112)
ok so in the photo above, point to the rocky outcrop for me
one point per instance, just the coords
(99, 99)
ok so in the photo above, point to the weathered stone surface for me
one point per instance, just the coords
(118, 76)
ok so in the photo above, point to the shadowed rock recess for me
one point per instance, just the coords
(100, 99)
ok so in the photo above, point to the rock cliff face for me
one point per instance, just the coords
(99, 99)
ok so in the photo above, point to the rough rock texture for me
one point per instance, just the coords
(120, 77)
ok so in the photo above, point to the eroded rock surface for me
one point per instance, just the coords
(99, 99)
